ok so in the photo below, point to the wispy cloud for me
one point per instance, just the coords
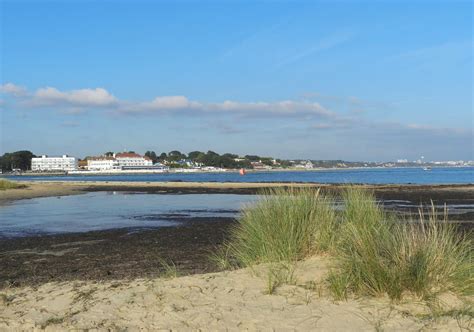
(324, 44)
(440, 50)
(10, 88)
(448, 56)
(246, 42)
(353, 104)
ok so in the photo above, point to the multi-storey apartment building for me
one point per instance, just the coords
(45, 163)
(103, 163)
(119, 161)
(127, 159)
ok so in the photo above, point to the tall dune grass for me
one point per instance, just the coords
(375, 252)
(380, 254)
(284, 225)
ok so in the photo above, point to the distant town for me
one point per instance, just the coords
(175, 161)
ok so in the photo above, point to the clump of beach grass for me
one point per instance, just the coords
(169, 269)
(379, 254)
(375, 252)
(284, 225)
(5, 184)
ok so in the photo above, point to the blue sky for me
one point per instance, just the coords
(373, 80)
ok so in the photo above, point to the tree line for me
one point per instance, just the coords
(209, 158)
(22, 159)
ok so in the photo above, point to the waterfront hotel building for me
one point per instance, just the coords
(45, 163)
(119, 161)
(132, 160)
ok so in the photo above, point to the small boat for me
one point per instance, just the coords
(427, 168)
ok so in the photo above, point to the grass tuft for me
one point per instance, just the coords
(279, 274)
(169, 269)
(379, 254)
(5, 184)
(285, 224)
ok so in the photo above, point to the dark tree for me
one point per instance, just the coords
(194, 155)
(175, 156)
(163, 156)
(18, 159)
(152, 155)
(252, 158)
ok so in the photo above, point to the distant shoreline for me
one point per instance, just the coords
(187, 171)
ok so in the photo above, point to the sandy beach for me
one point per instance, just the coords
(230, 300)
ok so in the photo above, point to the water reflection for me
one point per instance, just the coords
(107, 210)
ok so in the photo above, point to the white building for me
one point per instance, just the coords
(102, 164)
(132, 160)
(45, 163)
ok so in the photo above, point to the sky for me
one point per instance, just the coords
(352, 80)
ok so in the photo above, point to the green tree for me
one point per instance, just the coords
(252, 158)
(175, 156)
(19, 159)
(194, 155)
(163, 156)
(152, 155)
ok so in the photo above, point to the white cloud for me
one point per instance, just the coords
(97, 97)
(75, 101)
(12, 89)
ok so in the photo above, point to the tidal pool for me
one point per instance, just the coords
(109, 210)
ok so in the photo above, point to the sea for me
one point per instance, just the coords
(413, 175)
(138, 211)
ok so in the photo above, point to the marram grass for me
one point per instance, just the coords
(380, 254)
(5, 184)
(375, 252)
(284, 225)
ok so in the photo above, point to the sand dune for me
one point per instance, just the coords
(233, 300)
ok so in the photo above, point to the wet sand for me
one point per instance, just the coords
(112, 254)
(463, 193)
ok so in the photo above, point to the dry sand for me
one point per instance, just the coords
(232, 300)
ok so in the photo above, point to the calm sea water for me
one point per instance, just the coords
(451, 175)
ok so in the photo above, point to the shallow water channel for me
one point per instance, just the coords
(108, 210)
